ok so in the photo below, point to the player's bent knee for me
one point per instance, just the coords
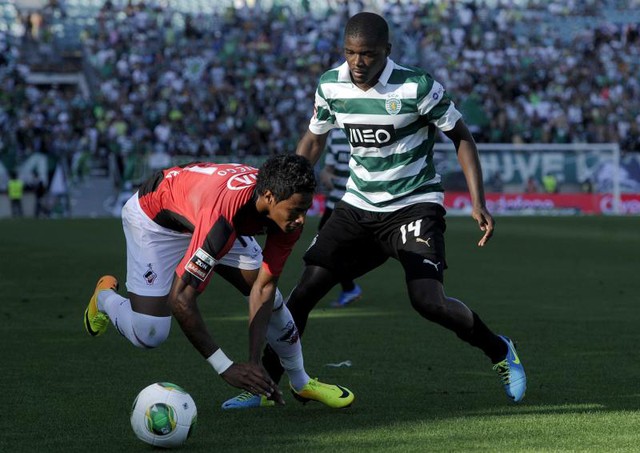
(314, 284)
(429, 305)
(425, 294)
(150, 331)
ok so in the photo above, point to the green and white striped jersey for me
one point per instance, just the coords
(338, 155)
(391, 129)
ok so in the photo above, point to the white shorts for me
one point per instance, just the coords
(153, 252)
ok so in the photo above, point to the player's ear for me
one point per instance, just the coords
(269, 197)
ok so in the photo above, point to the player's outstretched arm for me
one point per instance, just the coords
(261, 300)
(247, 376)
(311, 146)
(470, 163)
(184, 307)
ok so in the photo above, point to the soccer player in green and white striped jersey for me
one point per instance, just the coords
(393, 206)
(334, 176)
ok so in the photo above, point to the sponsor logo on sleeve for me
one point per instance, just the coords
(200, 265)
(438, 93)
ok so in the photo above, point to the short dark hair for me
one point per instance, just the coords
(370, 26)
(284, 175)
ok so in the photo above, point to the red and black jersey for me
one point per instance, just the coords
(215, 203)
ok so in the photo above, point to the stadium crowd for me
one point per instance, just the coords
(241, 81)
(55, 121)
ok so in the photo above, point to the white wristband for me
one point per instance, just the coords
(219, 361)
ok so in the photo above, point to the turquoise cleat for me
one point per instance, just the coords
(248, 400)
(512, 373)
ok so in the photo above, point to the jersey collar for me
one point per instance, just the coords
(344, 76)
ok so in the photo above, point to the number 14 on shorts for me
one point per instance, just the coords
(413, 227)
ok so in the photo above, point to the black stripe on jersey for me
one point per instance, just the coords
(217, 237)
(173, 221)
(151, 184)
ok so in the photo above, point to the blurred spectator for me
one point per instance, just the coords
(495, 183)
(587, 186)
(15, 190)
(39, 192)
(631, 143)
(531, 186)
(550, 183)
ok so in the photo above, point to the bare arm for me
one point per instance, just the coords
(248, 376)
(183, 304)
(311, 146)
(470, 164)
(260, 306)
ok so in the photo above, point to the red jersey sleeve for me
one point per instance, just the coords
(277, 248)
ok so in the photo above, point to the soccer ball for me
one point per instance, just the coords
(163, 415)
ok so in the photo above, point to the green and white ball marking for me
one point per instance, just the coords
(163, 415)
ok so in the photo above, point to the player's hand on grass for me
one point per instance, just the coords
(254, 379)
(485, 222)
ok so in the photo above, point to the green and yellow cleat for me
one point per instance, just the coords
(96, 322)
(334, 396)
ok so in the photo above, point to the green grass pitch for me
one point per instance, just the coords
(566, 289)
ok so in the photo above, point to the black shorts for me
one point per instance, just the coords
(325, 216)
(354, 241)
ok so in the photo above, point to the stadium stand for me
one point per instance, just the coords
(158, 81)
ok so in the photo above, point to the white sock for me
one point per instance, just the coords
(283, 337)
(143, 331)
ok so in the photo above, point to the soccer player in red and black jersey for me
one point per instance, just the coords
(185, 224)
